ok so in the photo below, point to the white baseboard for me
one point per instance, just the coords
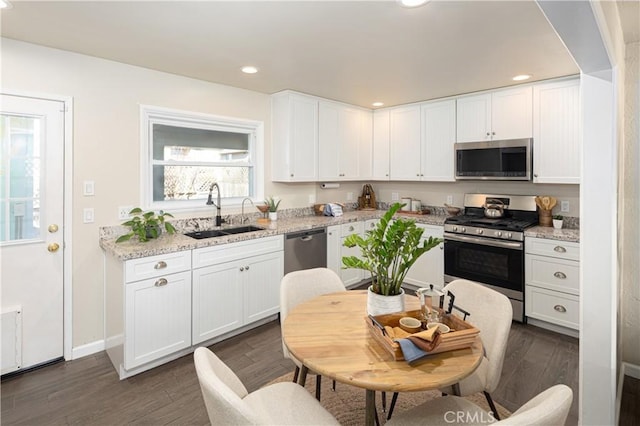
(88, 349)
(631, 370)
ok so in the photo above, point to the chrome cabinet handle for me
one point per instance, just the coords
(560, 249)
(246, 268)
(351, 228)
(160, 265)
(560, 308)
(241, 268)
(161, 282)
(560, 275)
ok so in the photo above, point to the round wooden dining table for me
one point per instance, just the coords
(329, 335)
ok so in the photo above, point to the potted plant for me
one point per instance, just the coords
(557, 221)
(146, 226)
(273, 204)
(388, 251)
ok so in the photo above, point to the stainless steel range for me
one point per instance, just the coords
(486, 244)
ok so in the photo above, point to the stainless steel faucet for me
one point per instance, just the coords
(218, 207)
(246, 219)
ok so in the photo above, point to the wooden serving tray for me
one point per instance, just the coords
(463, 334)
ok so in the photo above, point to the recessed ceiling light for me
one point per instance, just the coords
(412, 3)
(249, 69)
(521, 77)
(4, 4)
(377, 104)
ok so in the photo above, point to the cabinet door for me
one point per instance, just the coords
(438, 137)
(217, 300)
(350, 138)
(511, 113)
(261, 278)
(556, 132)
(157, 318)
(381, 134)
(405, 143)
(365, 150)
(329, 141)
(294, 138)
(334, 249)
(351, 276)
(429, 268)
(473, 118)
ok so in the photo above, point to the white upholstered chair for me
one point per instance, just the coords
(299, 286)
(491, 313)
(548, 408)
(229, 403)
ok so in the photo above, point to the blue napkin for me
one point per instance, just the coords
(410, 351)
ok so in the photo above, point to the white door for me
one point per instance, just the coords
(31, 227)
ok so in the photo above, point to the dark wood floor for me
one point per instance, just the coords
(87, 390)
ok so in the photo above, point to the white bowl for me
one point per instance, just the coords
(410, 324)
(444, 328)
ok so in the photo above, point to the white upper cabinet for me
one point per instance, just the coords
(503, 114)
(294, 137)
(438, 138)
(404, 143)
(344, 142)
(556, 132)
(381, 134)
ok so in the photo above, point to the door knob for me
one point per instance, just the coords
(53, 247)
(53, 228)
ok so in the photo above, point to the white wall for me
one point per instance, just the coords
(106, 98)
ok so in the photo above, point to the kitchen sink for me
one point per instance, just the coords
(199, 235)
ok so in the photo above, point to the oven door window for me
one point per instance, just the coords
(501, 267)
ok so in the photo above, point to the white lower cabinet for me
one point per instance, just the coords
(429, 268)
(336, 235)
(157, 318)
(239, 289)
(552, 283)
(158, 307)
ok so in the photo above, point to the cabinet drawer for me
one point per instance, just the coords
(554, 274)
(155, 266)
(233, 251)
(351, 228)
(554, 307)
(560, 249)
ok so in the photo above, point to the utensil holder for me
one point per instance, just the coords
(545, 218)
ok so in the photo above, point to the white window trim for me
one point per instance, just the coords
(151, 114)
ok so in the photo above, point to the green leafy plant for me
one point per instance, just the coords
(388, 251)
(558, 217)
(272, 203)
(146, 225)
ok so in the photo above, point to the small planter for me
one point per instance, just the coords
(378, 304)
(557, 223)
(273, 216)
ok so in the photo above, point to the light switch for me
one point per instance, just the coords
(88, 188)
(88, 215)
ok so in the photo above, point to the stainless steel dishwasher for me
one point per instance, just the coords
(305, 250)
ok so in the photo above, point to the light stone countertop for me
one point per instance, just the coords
(166, 243)
(549, 233)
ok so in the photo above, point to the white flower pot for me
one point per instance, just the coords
(378, 304)
(273, 215)
(557, 224)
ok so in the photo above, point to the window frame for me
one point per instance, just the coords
(150, 115)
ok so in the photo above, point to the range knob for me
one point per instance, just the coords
(455, 229)
(463, 229)
(499, 233)
(479, 231)
(509, 235)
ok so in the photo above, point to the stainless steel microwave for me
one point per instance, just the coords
(494, 160)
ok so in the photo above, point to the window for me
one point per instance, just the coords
(185, 153)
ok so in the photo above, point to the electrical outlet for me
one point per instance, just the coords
(123, 212)
(449, 199)
(394, 196)
(349, 196)
(88, 188)
(564, 206)
(88, 215)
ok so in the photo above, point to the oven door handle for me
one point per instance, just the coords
(483, 241)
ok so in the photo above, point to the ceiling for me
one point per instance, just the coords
(356, 52)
